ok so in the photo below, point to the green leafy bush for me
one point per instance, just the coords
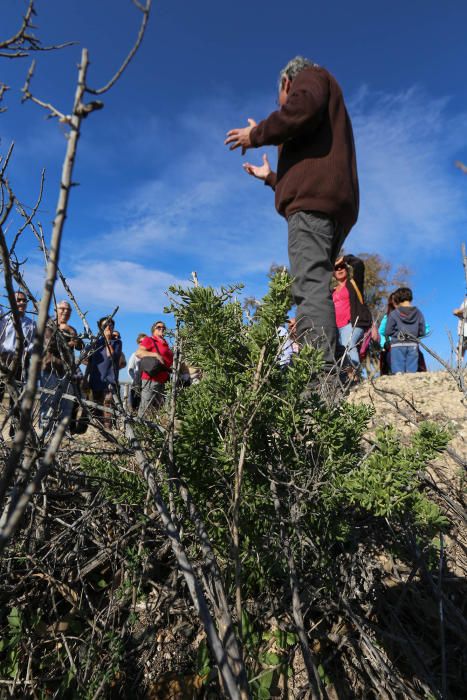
(248, 415)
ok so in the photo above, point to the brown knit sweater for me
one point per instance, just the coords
(317, 168)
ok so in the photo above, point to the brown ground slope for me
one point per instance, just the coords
(405, 400)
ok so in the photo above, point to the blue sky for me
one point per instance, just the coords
(160, 196)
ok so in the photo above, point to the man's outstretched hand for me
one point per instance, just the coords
(259, 171)
(240, 138)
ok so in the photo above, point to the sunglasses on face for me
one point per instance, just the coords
(341, 266)
(159, 328)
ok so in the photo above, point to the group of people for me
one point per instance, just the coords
(93, 374)
(317, 192)
(149, 367)
(397, 334)
(396, 338)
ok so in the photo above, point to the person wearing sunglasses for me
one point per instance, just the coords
(153, 379)
(353, 317)
(8, 331)
(316, 187)
(8, 348)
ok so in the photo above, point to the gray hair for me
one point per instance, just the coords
(294, 67)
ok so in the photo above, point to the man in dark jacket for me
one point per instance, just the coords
(316, 187)
(404, 325)
(58, 367)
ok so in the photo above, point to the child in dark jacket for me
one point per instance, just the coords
(404, 324)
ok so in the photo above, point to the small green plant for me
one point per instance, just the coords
(388, 484)
(268, 656)
(120, 483)
(108, 660)
(10, 644)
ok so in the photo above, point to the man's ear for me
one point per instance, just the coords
(286, 83)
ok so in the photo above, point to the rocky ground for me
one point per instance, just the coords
(405, 400)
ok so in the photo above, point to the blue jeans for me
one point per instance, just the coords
(404, 358)
(349, 339)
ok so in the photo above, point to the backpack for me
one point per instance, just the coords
(151, 365)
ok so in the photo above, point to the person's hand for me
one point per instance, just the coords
(259, 171)
(240, 138)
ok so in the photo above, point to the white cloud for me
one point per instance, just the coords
(210, 215)
(105, 284)
(410, 193)
(199, 211)
(131, 286)
(202, 207)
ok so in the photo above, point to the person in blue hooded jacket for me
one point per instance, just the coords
(404, 326)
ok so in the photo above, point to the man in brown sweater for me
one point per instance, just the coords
(316, 187)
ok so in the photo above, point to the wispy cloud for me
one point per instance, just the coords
(411, 195)
(104, 284)
(200, 210)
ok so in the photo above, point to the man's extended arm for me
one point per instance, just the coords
(262, 172)
(305, 107)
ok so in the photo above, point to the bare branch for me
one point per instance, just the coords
(28, 217)
(144, 21)
(3, 90)
(27, 95)
(57, 231)
(23, 42)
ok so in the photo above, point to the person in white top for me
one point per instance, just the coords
(8, 332)
(461, 314)
(8, 349)
(135, 375)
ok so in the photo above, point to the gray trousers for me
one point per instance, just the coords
(314, 244)
(152, 395)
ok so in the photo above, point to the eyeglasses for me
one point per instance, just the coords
(21, 301)
(159, 328)
(341, 266)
